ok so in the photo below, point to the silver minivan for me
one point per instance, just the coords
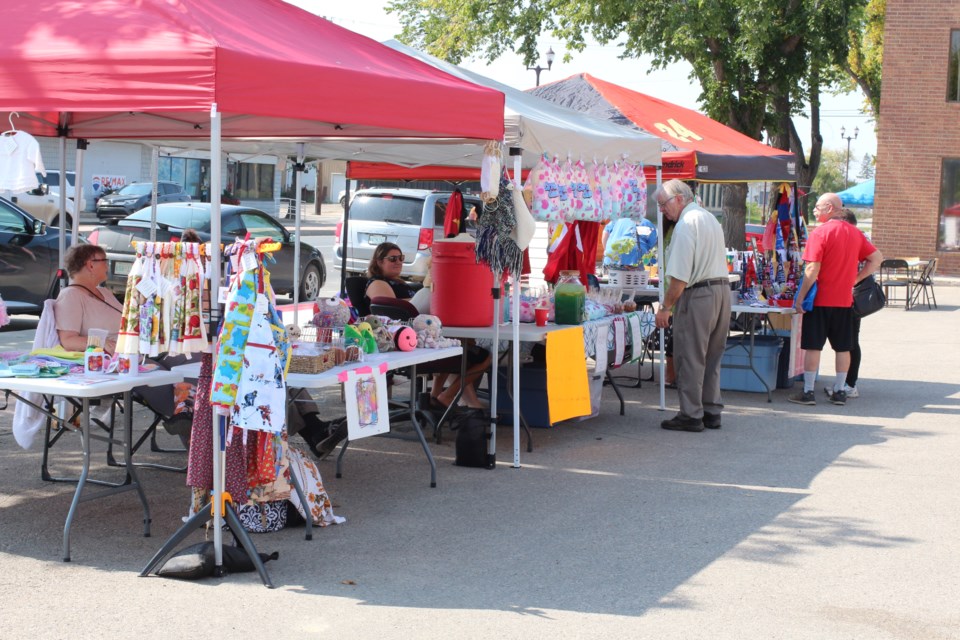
(410, 218)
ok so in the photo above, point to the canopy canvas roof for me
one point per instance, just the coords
(859, 195)
(695, 147)
(154, 69)
(534, 125)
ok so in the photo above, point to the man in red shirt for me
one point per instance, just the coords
(834, 249)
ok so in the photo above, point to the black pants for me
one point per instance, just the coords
(854, 372)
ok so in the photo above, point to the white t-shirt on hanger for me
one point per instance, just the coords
(20, 162)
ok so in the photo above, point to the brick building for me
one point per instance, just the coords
(917, 210)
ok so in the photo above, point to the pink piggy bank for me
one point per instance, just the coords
(404, 337)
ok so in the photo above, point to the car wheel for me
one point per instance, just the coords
(343, 202)
(56, 221)
(310, 283)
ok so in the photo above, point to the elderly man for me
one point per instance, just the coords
(833, 251)
(699, 299)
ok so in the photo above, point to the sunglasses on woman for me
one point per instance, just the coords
(398, 258)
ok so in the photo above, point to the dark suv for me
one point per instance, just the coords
(136, 196)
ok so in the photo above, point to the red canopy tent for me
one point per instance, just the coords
(695, 147)
(154, 68)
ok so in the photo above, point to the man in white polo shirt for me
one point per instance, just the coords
(698, 297)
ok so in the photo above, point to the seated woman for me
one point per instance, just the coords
(384, 270)
(84, 305)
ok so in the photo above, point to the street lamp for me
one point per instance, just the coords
(537, 69)
(843, 131)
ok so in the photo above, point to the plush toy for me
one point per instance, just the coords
(391, 334)
(334, 312)
(361, 336)
(404, 338)
(430, 333)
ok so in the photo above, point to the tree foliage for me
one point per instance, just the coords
(757, 61)
(864, 63)
(867, 166)
(830, 178)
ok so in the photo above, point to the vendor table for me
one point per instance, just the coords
(84, 389)
(749, 330)
(393, 359)
(527, 333)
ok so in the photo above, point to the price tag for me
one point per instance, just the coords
(249, 261)
(261, 306)
(147, 287)
(222, 295)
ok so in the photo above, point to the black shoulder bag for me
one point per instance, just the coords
(868, 297)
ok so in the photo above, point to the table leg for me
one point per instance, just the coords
(85, 444)
(416, 423)
(132, 478)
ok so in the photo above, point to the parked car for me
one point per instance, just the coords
(29, 260)
(174, 217)
(410, 218)
(52, 180)
(44, 205)
(137, 195)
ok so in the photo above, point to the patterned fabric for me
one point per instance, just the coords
(233, 338)
(542, 191)
(318, 502)
(261, 390)
(263, 517)
(646, 323)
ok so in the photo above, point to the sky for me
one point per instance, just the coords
(369, 18)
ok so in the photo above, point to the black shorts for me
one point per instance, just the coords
(827, 323)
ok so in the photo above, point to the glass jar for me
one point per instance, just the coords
(569, 299)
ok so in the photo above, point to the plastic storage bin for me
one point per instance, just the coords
(765, 361)
(784, 380)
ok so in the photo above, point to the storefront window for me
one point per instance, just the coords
(253, 181)
(189, 173)
(949, 237)
(953, 77)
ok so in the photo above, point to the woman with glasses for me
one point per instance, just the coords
(384, 270)
(84, 304)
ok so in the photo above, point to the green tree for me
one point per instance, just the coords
(867, 166)
(830, 177)
(864, 63)
(757, 61)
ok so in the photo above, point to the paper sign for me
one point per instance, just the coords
(366, 401)
(568, 392)
(222, 295)
(249, 261)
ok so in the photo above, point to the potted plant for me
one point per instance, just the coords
(622, 270)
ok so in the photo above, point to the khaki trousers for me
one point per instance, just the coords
(700, 325)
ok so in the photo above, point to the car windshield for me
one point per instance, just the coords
(140, 189)
(176, 217)
(387, 208)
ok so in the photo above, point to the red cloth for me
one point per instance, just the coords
(453, 214)
(839, 247)
(570, 257)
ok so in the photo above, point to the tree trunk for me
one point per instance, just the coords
(735, 215)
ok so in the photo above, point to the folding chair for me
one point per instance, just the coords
(356, 287)
(895, 276)
(923, 285)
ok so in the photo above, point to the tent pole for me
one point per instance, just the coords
(515, 344)
(219, 453)
(77, 191)
(298, 169)
(661, 278)
(154, 178)
(343, 238)
(62, 240)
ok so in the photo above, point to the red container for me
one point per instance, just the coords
(461, 288)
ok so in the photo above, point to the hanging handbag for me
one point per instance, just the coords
(868, 297)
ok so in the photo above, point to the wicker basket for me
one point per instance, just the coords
(629, 278)
(312, 364)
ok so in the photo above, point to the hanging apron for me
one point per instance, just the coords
(261, 399)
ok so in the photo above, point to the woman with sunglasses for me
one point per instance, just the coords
(384, 269)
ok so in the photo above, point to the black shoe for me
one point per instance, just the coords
(838, 397)
(338, 432)
(803, 397)
(681, 422)
(314, 429)
(711, 421)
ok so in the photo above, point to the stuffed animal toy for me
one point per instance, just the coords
(430, 333)
(334, 312)
(404, 338)
(360, 335)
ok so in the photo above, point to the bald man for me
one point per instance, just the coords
(833, 252)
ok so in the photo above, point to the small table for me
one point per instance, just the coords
(331, 377)
(750, 331)
(84, 389)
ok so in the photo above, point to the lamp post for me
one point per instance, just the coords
(537, 69)
(843, 131)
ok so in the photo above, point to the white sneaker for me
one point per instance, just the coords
(851, 391)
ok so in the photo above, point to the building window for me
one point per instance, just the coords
(252, 181)
(949, 236)
(953, 79)
(189, 173)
